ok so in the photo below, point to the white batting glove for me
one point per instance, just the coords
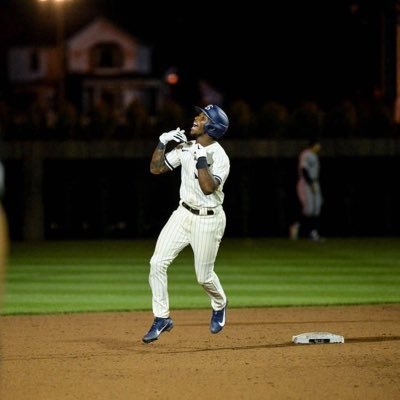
(177, 134)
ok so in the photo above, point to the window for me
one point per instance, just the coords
(106, 55)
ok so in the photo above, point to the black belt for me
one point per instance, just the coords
(195, 210)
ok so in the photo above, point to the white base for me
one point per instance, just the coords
(317, 338)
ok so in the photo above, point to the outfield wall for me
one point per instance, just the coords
(103, 189)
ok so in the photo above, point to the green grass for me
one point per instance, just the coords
(54, 277)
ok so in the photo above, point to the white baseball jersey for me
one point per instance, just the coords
(202, 227)
(190, 191)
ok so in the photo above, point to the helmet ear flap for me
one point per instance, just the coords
(209, 127)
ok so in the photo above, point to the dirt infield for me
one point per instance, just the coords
(100, 356)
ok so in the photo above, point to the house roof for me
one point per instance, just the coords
(102, 29)
(28, 27)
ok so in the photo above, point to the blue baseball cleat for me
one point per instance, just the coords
(218, 320)
(159, 325)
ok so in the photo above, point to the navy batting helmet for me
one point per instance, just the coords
(219, 122)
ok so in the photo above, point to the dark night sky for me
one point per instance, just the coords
(289, 51)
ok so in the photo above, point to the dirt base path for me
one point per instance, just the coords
(100, 356)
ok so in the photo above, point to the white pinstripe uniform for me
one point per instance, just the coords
(203, 232)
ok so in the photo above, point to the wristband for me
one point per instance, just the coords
(201, 163)
(161, 145)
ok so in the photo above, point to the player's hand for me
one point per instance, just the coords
(200, 155)
(177, 134)
(198, 151)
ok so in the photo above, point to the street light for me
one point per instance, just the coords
(60, 38)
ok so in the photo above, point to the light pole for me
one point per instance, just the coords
(60, 38)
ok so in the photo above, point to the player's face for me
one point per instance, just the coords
(199, 122)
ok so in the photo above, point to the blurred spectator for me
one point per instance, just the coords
(137, 120)
(362, 117)
(67, 124)
(170, 114)
(242, 120)
(376, 118)
(307, 120)
(102, 121)
(341, 121)
(273, 119)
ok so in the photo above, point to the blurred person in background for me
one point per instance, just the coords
(309, 193)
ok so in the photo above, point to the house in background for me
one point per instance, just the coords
(99, 63)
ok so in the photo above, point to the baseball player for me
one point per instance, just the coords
(309, 193)
(199, 220)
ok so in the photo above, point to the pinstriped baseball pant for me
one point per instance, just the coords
(203, 234)
(311, 202)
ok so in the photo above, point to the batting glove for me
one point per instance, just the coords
(177, 134)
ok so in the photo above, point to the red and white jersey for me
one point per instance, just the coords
(190, 191)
